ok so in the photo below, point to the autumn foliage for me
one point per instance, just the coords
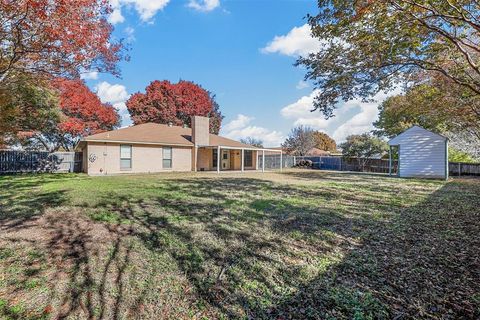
(82, 111)
(56, 38)
(81, 114)
(324, 142)
(165, 102)
(76, 112)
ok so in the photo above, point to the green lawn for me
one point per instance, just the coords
(292, 245)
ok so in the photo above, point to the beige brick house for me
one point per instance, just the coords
(153, 147)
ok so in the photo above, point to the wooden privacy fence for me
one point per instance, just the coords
(464, 169)
(18, 161)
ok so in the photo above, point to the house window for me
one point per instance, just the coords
(125, 157)
(248, 160)
(167, 157)
(215, 157)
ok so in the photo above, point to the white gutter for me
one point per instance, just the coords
(140, 142)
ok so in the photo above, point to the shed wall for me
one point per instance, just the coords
(422, 154)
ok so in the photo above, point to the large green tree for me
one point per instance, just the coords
(436, 105)
(26, 105)
(363, 147)
(370, 46)
(422, 105)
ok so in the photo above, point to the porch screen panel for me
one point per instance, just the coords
(215, 157)
(248, 161)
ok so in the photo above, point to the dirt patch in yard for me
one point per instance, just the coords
(64, 265)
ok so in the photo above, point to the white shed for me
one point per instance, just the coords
(421, 154)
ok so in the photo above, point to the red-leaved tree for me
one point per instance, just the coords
(55, 38)
(164, 102)
(80, 113)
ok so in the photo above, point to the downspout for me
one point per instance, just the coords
(446, 160)
(398, 162)
(390, 161)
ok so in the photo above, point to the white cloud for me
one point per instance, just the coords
(146, 9)
(241, 127)
(89, 75)
(117, 95)
(130, 33)
(111, 93)
(300, 112)
(352, 117)
(302, 85)
(203, 5)
(297, 42)
(116, 15)
(362, 121)
(240, 122)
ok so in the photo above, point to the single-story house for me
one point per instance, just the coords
(153, 147)
(421, 154)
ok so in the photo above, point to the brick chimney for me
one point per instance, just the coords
(200, 131)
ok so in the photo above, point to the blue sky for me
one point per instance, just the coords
(241, 50)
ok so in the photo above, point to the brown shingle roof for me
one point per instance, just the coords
(154, 133)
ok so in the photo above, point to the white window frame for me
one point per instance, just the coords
(171, 158)
(131, 156)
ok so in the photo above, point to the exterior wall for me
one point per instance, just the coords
(204, 159)
(200, 130)
(422, 154)
(237, 160)
(85, 159)
(145, 159)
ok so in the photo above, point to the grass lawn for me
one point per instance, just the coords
(291, 245)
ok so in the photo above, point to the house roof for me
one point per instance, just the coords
(419, 130)
(154, 133)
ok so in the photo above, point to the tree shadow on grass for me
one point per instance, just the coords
(250, 248)
(224, 242)
(421, 264)
(22, 200)
(50, 253)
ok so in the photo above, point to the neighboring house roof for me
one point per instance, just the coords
(416, 130)
(312, 152)
(317, 152)
(154, 133)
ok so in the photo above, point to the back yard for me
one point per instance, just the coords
(292, 245)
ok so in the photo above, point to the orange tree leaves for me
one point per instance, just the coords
(56, 38)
